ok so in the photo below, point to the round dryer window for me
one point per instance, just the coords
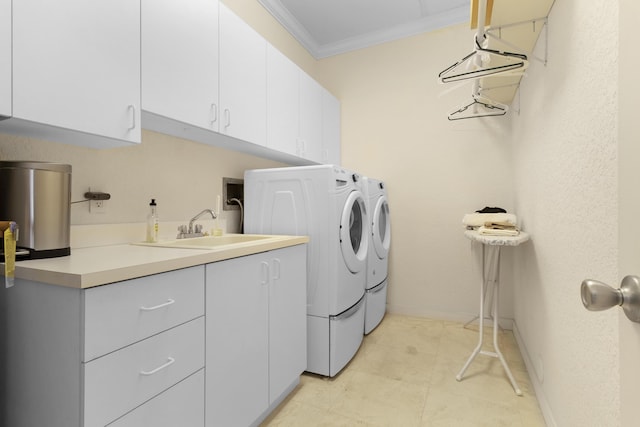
(381, 228)
(353, 233)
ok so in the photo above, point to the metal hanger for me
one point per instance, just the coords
(471, 66)
(480, 107)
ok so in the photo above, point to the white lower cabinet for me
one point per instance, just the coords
(181, 405)
(132, 353)
(48, 378)
(121, 381)
(256, 334)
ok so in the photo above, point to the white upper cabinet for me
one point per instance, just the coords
(282, 102)
(5, 58)
(180, 60)
(330, 129)
(303, 118)
(243, 80)
(76, 67)
(310, 142)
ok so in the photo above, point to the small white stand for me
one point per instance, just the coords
(491, 257)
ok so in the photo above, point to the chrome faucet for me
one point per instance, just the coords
(213, 215)
(184, 232)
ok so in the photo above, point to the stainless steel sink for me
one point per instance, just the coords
(210, 242)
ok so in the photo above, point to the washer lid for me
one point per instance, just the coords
(381, 228)
(353, 232)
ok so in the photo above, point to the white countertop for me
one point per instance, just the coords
(88, 267)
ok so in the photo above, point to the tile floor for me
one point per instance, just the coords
(404, 375)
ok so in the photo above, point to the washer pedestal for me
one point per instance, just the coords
(491, 279)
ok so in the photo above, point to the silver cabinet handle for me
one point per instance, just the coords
(170, 361)
(598, 296)
(276, 269)
(132, 110)
(164, 304)
(214, 113)
(227, 118)
(264, 272)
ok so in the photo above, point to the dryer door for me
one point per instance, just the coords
(353, 232)
(381, 228)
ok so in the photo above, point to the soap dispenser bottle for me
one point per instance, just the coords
(152, 223)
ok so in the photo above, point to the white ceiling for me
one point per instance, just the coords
(331, 27)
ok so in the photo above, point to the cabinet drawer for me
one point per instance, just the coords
(121, 381)
(122, 313)
(181, 405)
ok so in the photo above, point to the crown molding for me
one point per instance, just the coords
(429, 23)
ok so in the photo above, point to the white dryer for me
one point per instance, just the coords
(378, 253)
(327, 204)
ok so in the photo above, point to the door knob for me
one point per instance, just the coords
(597, 296)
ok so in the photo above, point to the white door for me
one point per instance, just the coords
(629, 204)
(76, 65)
(243, 79)
(180, 60)
(330, 129)
(282, 102)
(287, 318)
(237, 359)
(310, 143)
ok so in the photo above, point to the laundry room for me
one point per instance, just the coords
(555, 159)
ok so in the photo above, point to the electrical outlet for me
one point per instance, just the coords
(97, 206)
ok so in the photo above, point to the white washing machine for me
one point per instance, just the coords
(327, 204)
(378, 253)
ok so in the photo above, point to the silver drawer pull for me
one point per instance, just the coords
(170, 361)
(169, 302)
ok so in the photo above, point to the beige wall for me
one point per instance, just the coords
(565, 170)
(538, 164)
(395, 128)
(185, 177)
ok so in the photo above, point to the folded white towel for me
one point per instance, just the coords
(478, 219)
(485, 231)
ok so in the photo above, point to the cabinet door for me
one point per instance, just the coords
(76, 65)
(237, 363)
(120, 381)
(287, 318)
(181, 405)
(5, 58)
(282, 102)
(180, 60)
(310, 143)
(243, 79)
(330, 128)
